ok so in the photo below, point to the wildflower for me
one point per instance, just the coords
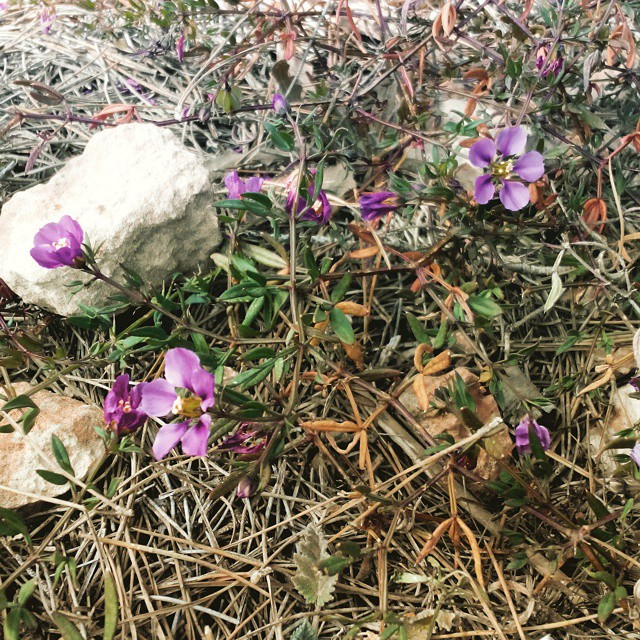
(522, 435)
(279, 104)
(180, 48)
(237, 186)
(47, 16)
(122, 406)
(547, 64)
(635, 454)
(246, 487)
(319, 211)
(529, 167)
(376, 205)
(59, 244)
(635, 382)
(245, 441)
(187, 391)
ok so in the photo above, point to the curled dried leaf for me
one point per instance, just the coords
(367, 252)
(595, 214)
(330, 425)
(423, 395)
(435, 538)
(353, 309)
(441, 362)
(420, 351)
(354, 352)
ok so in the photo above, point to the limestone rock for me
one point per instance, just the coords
(138, 193)
(21, 455)
(439, 420)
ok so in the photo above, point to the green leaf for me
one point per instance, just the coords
(341, 325)
(604, 576)
(340, 290)
(606, 606)
(12, 625)
(252, 377)
(417, 329)
(304, 631)
(315, 585)
(281, 139)
(484, 306)
(534, 443)
(26, 591)
(68, 630)
(12, 524)
(29, 417)
(50, 476)
(61, 455)
(110, 607)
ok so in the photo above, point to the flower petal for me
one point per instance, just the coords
(254, 184)
(482, 152)
(167, 438)
(46, 256)
(234, 184)
(194, 441)
(158, 397)
(483, 189)
(530, 166)
(511, 141)
(179, 366)
(203, 384)
(514, 195)
(119, 391)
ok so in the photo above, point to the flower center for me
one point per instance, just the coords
(126, 406)
(502, 169)
(61, 243)
(187, 407)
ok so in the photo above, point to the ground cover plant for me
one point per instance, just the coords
(399, 401)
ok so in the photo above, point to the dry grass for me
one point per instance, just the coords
(190, 560)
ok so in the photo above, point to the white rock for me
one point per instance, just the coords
(137, 192)
(22, 455)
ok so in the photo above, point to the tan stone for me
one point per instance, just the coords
(21, 455)
(439, 420)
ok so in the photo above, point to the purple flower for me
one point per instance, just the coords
(237, 186)
(319, 211)
(529, 167)
(121, 406)
(58, 244)
(246, 487)
(279, 104)
(547, 64)
(635, 454)
(160, 397)
(635, 382)
(180, 47)
(376, 205)
(47, 16)
(245, 441)
(522, 435)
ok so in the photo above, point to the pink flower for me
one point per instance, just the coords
(279, 104)
(122, 406)
(180, 48)
(529, 167)
(635, 454)
(319, 211)
(376, 205)
(47, 16)
(522, 435)
(161, 397)
(245, 441)
(58, 244)
(236, 186)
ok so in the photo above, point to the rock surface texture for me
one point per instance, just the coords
(139, 194)
(21, 455)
